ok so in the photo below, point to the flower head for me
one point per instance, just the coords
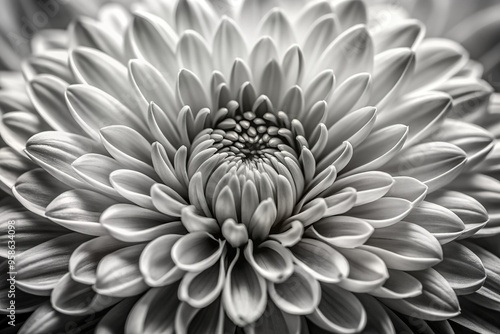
(273, 170)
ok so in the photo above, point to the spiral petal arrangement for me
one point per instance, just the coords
(270, 168)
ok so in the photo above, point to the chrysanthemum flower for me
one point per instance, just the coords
(270, 171)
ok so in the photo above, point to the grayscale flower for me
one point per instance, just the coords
(277, 169)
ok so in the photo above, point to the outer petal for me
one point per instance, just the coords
(437, 301)
(339, 311)
(118, 273)
(405, 246)
(244, 296)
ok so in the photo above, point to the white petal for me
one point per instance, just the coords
(436, 164)
(244, 296)
(392, 70)
(191, 92)
(84, 260)
(437, 301)
(367, 273)
(462, 268)
(404, 34)
(17, 127)
(36, 189)
(152, 39)
(156, 264)
(339, 231)
(154, 312)
(405, 246)
(93, 109)
(320, 260)
(270, 260)
(193, 54)
(440, 221)
(95, 169)
(350, 13)
(423, 113)
(299, 294)
(197, 251)
(41, 267)
(118, 273)
(56, 151)
(339, 311)
(370, 186)
(200, 289)
(134, 186)
(74, 298)
(399, 285)
(129, 148)
(47, 94)
(132, 223)
(79, 211)
(349, 54)
(99, 70)
(379, 148)
(351, 95)
(437, 61)
(383, 212)
(228, 45)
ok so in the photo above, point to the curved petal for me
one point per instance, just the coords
(423, 113)
(476, 142)
(435, 163)
(279, 322)
(445, 225)
(367, 271)
(40, 268)
(339, 311)
(437, 301)
(393, 68)
(129, 148)
(378, 320)
(201, 289)
(437, 61)
(377, 149)
(270, 260)
(95, 169)
(299, 294)
(118, 274)
(197, 251)
(74, 298)
(320, 260)
(405, 246)
(56, 151)
(462, 268)
(79, 211)
(350, 53)
(30, 229)
(36, 189)
(399, 285)
(154, 312)
(469, 210)
(84, 259)
(244, 296)
(341, 231)
(134, 186)
(409, 189)
(370, 186)
(94, 109)
(47, 94)
(132, 223)
(156, 262)
(383, 212)
(404, 34)
(16, 127)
